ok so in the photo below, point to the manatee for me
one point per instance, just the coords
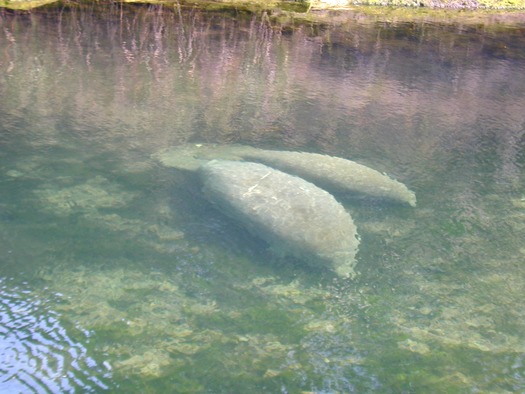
(335, 174)
(292, 215)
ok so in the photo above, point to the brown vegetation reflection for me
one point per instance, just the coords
(147, 77)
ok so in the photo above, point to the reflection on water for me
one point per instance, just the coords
(173, 296)
(38, 355)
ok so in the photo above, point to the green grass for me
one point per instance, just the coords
(305, 6)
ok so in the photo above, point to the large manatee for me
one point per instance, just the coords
(292, 215)
(334, 174)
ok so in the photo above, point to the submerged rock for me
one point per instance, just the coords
(334, 174)
(294, 216)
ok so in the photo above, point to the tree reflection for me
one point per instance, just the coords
(161, 76)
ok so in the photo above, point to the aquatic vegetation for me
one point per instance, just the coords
(292, 291)
(149, 364)
(147, 326)
(121, 305)
(464, 320)
(98, 202)
(294, 216)
(94, 194)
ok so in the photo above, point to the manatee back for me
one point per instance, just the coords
(288, 212)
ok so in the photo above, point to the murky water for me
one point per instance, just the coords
(116, 274)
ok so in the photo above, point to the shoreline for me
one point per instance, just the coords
(393, 8)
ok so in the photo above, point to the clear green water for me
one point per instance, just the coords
(117, 275)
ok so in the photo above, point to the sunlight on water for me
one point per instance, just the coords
(134, 282)
(37, 353)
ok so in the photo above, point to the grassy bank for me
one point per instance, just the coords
(308, 5)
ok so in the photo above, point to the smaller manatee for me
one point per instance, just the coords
(289, 213)
(335, 174)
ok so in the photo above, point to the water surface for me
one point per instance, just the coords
(116, 274)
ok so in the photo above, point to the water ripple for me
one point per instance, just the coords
(38, 354)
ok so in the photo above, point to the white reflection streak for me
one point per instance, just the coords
(11, 39)
(9, 35)
(510, 170)
(127, 53)
(185, 41)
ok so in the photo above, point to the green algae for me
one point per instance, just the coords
(261, 335)
(25, 5)
(156, 325)
(152, 326)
